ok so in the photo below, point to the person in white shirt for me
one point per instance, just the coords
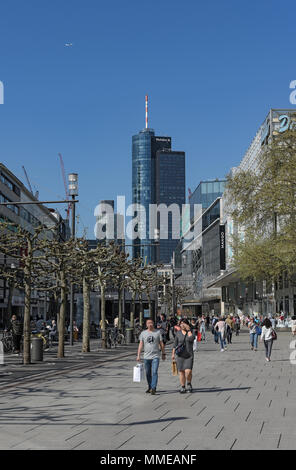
(220, 327)
(266, 336)
(293, 325)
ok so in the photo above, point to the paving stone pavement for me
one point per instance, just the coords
(239, 402)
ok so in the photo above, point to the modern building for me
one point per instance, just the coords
(109, 224)
(170, 189)
(256, 297)
(144, 148)
(147, 177)
(28, 217)
(200, 258)
(206, 193)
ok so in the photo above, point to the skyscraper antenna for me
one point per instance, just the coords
(146, 111)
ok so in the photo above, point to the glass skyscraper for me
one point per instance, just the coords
(170, 189)
(144, 147)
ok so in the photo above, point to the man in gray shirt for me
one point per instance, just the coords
(151, 340)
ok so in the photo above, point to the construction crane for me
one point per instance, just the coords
(65, 183)
(27, 178)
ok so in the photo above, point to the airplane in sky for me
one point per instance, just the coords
(68, 44)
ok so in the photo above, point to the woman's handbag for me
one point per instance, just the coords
(181, 348)
(174, 368)
(273, 335)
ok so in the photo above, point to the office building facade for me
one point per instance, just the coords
(149, 152)
(206, 193)
(170, 189)
(262, 298)
(28, 217)
(200, 258)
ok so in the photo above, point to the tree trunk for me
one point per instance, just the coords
(62, 316)
(9, 302)
(103, 317)
(150, 306)
(86, 316)
(132, 315)
(141, 311)
(120, 296)
(27, 312)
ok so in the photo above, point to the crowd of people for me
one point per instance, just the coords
(187, 331)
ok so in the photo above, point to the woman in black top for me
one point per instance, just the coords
(185, 359)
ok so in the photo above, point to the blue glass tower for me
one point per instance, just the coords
(144, 147)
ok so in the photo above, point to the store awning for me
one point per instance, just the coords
(225, 279)
(190, 302)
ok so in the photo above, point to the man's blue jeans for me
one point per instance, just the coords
(216, 336)
(254, 340)
(151, 367)
(222, 340)
(203, 332)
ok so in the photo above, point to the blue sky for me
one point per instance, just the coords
(211, 69)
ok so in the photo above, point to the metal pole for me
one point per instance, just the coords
(156, 296)
(173, 292)
(72, 285)
(45, 307)
(123, 311)
(19, 203)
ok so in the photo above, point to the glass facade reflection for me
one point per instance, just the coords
(210, 215)
(206, 193)
(144, 147)
(170, 189)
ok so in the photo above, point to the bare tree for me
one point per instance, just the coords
(25, 248)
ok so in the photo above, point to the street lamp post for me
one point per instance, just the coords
(73, 192)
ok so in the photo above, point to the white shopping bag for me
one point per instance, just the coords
(195, 343)
(138, 373)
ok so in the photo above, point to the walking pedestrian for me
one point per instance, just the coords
(214, 331)
(183, 349)
(267, 337)
(172, 323)
(220, 327)
(293, 325)
(162, 325)
(229, 324)
(52, 331)
(208, 322)
(237, 323)
(194, 326)
(202, 328)
(151, 340)
(253, 330)
(16, 328)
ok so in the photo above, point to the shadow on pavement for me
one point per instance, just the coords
(205, 390)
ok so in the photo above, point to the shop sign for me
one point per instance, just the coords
(222, 247)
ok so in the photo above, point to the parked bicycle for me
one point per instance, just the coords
(7, 341)
(114, 338)
(137, 331)
(8, 344)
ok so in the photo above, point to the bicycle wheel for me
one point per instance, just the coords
(120, 339)
(7, 344)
